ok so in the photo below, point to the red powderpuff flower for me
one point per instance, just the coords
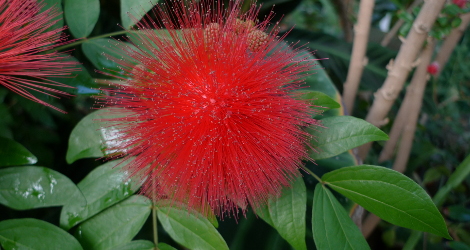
(25, 62)
(433, 68)
(208, 114)
(460, 3)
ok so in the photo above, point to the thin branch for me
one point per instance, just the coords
(358, 56)
(397, 75)
(78, 42)
(414, 95)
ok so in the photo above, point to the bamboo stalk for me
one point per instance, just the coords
(358, 56)
(414, 95)
(396, 131)
(394, 30)
(441, 58)
(416, 92)
(369, 224)
(386, 95)
(450, 43)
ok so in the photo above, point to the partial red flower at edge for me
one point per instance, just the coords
(208, 113)
(433, 68)
(25, 63)
(460, 3)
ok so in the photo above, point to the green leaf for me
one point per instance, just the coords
(288, 214)
(345, 159)
(134, 10)
(338, 52)
(263, 213)
(116, 225)
(164, 246)
(319, 81)
(452, 9)
(81, 16)
(101, 53)
(190, 229)
(32, 187)
(80, 79)
(331, 226)
(458, 245)
(319, 99)
(458, 213)
(138, 245)
(57, 5)
(34, 234)
(12, 153)
(342, 133)
(91, 137)
(456, 22)
(460, 173)
(104, 186)
(390, 195)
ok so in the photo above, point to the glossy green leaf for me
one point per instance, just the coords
(164, 246)
(460, 173)
(263, 213)
(134, 10)
(138, 245)
(458, 245)
(102, 187)
(319, 81)
(458, 213)
(342, 133)
(34, 234)
(116, 225)
(338, 52)
(32, 187)
(390, 195)
(13, 154)
(331, 226)
(80, 79)
(102, 52)
(81, 16)
(288, 214)
(190, 230)
(345, 159)
(57, 5)
(319, 99)
(91, 137)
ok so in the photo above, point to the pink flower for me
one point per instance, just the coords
(433, 68)
(210, 117)
(25, 62)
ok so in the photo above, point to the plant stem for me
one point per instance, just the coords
(154, 225)
(409, 114)
(154, 213)
(358, 55)
(78, 42)
(403, 64)
(313, 174)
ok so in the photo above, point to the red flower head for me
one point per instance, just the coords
(24, 42)
(433, 68)
(210, 117)
(460, 3)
